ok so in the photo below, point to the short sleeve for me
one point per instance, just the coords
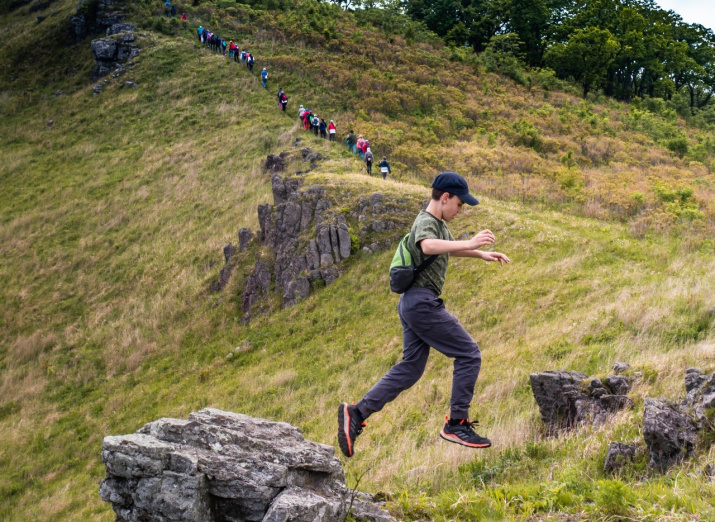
(426, 228)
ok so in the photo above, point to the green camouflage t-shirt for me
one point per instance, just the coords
(426, 226)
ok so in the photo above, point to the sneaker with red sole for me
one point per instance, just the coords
(464, 434)
(350, 425)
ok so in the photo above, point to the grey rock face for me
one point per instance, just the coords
(104, 49)
(110, 52)
(105, 16)
(309, 241)
(78, 27)
(618, 384)
(256, 287)
(694, 379)
(244, 237)
(669, 433)
(565, 400)
(274, 163)
(120, 28)
(229, 251)
(620, 367)
(219, 466)
(618, 454)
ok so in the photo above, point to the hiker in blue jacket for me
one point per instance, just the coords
(384, 167)
(426, 324)
(264, 77)
(200, 31)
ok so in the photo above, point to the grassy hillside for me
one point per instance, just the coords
(113, 217)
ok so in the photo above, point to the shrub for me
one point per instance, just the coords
(527, 135)
(679, 145)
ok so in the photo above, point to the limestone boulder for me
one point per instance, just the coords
(219, 466)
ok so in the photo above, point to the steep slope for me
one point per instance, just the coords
(113, 217)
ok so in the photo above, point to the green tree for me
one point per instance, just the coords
(586, 57)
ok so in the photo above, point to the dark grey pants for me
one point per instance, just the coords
(425, 323)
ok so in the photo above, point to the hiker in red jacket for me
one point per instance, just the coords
(331, 130)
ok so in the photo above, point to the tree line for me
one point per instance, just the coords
(627, 48)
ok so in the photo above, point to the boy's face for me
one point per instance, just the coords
(451, 207)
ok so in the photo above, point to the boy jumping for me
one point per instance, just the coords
(426, 322)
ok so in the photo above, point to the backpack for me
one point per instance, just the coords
(284, 97)
(402, 269)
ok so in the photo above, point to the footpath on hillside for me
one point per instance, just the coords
(310, 120)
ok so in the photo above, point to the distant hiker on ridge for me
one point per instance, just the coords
(351, 140)
(282, 100)
(426, 323)
(369, 158)
(384, 167)
(360, 143)
(264, 77)
(316, 124)
(332, 130)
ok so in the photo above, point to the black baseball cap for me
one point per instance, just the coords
(453, 183)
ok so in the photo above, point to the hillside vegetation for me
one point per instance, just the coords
(113, 216)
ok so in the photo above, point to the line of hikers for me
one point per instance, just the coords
(214, 42)
(317, 125)
(311, 122)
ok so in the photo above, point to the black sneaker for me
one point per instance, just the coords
(464, 434)
(350, 425)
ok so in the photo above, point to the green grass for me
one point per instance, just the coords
(112, 222)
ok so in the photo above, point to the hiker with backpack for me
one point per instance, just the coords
(384, 167)
(425, 321)
(351, 140)
(283, 100)
(223, 46)
(360, 143)
(307, 118)
(316, 124)
(369, 158)
(250, 67)
(331, 130)
(264, 77)
(323, 127)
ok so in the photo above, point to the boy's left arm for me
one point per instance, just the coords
(486, 256)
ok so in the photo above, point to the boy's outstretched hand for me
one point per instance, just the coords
(483, 238)
(495, 256)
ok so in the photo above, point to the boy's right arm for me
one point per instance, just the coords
(432, 246)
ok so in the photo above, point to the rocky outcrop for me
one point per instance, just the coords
(669, 433)
(569, 398)
(96, 16)
(222, 466)
(671, 429)
(308, 238)
(116, 49)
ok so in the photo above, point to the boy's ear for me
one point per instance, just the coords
(444, 197)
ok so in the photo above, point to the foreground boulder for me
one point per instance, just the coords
(222, 466)
(671, 429)
(569, 398)
(669, 433)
